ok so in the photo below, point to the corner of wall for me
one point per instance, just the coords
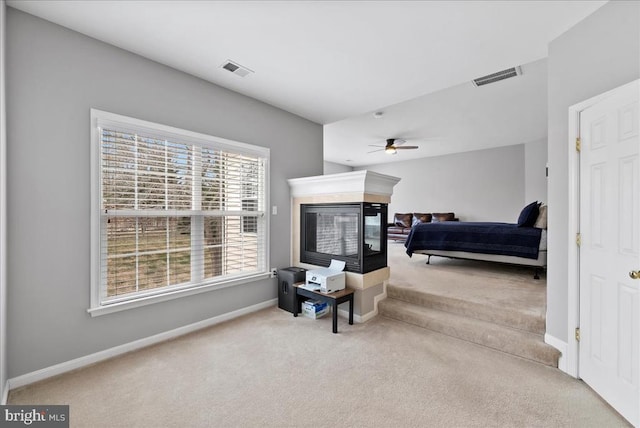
(3, 235)
(335, 168)
(535, 164)
(574, 76)
(561, 346)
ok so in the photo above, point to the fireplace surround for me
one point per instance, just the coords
(352, 232)
(354, 187)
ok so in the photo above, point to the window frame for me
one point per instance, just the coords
(249, 227)
(98, 244)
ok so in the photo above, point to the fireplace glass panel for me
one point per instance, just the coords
(354, 233)
(372, 232)
(332, 233)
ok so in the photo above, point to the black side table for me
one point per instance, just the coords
(332, 299)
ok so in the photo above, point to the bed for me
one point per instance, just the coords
(495, 242)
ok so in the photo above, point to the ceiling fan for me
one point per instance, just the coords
(393, 144)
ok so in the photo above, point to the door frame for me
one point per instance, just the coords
(573, 227)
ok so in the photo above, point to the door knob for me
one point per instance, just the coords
(634, 274)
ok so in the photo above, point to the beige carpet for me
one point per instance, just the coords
(491, 304)
(269, 369)
(487, 283)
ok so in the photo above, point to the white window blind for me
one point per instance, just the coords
(178, 210)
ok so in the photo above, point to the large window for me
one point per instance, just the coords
(173, 212)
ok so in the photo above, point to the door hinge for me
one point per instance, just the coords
(577, 334)
(578, 144)
(578, 239)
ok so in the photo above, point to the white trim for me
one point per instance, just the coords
(99, 304)
(87, 360)
(357, 318)
(366, 317)
(560, 346)
(170, 295)
(380, 297)
(5, 393)
(361, 182)
(376, 299)
(369, 315)
(573, 262)
(3, 203)
(131, 124)
(573, 227)
(344, 313)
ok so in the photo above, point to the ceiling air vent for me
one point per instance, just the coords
(236, 68)
(500, 75)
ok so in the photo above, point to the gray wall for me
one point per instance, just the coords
(54, 76)
(535, 179)
(482, 185)
(598, 54)
(3, 207)
(335, 168)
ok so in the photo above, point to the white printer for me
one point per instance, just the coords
(328, 279)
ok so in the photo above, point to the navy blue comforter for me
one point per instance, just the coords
(488, 238)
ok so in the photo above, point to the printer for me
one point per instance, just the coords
(327, 280)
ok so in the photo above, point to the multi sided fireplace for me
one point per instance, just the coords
(355, 233)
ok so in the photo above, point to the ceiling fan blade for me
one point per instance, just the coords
(375, 145)
(373, 151)
(406, 147)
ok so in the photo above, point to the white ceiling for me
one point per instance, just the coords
(457, 119)
(329, 61)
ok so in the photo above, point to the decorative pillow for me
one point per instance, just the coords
(402, 220)
(437, 217)
(541, 221)
(421, 218)
(528, 215)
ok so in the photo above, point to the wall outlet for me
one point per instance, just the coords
(274, 272)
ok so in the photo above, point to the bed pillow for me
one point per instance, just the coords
(402, 220)
(421, 218)
(438, 217)
(528, 215)
(541, 221)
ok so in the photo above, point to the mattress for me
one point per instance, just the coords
(476, 237)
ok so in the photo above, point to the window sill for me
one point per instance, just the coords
(170, 295)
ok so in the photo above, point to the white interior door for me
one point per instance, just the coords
(609, 354)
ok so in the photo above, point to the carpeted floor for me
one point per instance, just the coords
(493, 284)
(270, 369)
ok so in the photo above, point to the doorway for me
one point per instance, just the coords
(604, 296)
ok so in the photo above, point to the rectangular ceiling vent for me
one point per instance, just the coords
(236, 68)
(500, 75)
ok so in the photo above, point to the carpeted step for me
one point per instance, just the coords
(511, 341)
(519, 319)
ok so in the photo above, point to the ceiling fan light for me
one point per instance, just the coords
(390, 150)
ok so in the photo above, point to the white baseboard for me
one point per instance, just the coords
(357, 318)
(560, 346)
(344, 313)
(380, 297)
(77, 363)
(366, 317)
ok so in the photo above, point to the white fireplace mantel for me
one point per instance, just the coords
(364, 182)
(347, 187)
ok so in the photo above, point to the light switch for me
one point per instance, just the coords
(274, 210)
